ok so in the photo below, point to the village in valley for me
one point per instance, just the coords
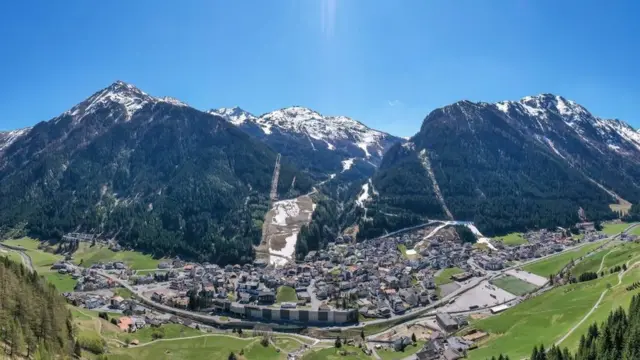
(421, 286)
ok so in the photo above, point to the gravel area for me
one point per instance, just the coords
(481, 296)
(528, 277)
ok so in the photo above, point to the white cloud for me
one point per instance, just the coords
(329, 9)
(394, 103)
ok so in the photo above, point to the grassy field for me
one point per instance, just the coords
(64, 283)
(403, 250)
(613, 229)
(286, 294)
(398, 355)
(512, 239)
(540, 320)
(334, 354)
(617, 296)
(201, 348)
(445, 275)
(554, 264)
(590, 263)
(513, 285)
(171, 331)
(90, 255)
(125, 293)
(621, 255)
(12, 255)
(41, 259)
(287, 343)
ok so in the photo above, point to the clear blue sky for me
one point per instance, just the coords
(385, 63)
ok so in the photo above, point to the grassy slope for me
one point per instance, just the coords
(64, 283)
(445, 275)
(12, 255)
(171, 331)
(513, 285)
(286, 294)
(613, 229)
(554, 264)
(512, 239)
(334, 354)
(90, 255)
(201, 348)
(542, 319)
(618, 296)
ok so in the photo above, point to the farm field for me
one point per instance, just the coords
(554, 264)
(90, 255)
(540, 320)
(200, 348)
(445, 275)
(513, 285)
(512, 239)
(286, 294)
(635, 231)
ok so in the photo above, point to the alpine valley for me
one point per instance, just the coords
(160, 176)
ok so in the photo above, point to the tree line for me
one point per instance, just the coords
(34, 320)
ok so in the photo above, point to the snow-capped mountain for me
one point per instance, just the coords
(512, 165)
(551, 113)
(328, 141)
(127, 96)
(151, 172)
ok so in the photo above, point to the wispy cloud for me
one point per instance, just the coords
(394, 103)
(328, 14)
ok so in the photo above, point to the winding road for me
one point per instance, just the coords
(26, 259)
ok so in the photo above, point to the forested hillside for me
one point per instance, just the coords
(508, 166)
(34, 320)
(152, 173)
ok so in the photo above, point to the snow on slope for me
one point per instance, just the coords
(333, 130)
(127, 95)
(9, 137)
(347, 164)
(614, 134)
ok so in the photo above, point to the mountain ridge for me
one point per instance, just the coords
(538, 156)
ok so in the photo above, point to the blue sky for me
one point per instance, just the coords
(385, 63)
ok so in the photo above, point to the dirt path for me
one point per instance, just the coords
(602, 262)
(595, 306)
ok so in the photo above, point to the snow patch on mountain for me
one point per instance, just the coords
(347, 164)
(234, 115)
(128, 96)
(9, 137)
(172, 101)
(335, 131)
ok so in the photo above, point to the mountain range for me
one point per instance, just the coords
(322, 145)
(509, 166)
(161, 176)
